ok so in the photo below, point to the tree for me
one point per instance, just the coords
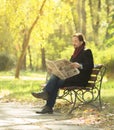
(51, 36)
(84, 17)
(109, 40)
(95, 18)
(26, 40)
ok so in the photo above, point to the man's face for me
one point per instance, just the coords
(76, 43)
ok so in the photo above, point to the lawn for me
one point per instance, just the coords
(12, 89)
(19, 90)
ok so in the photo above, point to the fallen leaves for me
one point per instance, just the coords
(88, 115)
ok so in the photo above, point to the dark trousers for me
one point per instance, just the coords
(52, 88)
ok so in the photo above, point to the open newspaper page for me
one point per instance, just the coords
(61, 68)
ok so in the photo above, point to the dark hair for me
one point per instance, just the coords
(80, 36)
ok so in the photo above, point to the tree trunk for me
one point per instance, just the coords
(43, 58)
(20, 61)
(83, 18)
(73, 9)
(79, 29)
(107, 18)
(76, 15)
(23, 63)
(23, 66)
(95, 19)
(30, 58)
(26, 41)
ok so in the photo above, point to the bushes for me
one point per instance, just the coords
(107, 58)
(6, 61)
(104, 56)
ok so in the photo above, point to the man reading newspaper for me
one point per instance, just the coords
(65, 73)
(61, 68)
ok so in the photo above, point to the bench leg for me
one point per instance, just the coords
(71, 97)
(100, 102)
(74, 101)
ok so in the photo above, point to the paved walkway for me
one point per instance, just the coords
(14, 116)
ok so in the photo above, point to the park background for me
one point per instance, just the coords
(32, 31)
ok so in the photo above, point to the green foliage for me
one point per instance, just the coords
(104, 56)
(108, 84)
(6, 62)
(68, 51)
(109, 41)
(58, 21)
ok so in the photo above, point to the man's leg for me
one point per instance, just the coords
(54, 93)
(50, 93)
(47, 89)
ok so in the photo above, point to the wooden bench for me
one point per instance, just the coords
(77, 95)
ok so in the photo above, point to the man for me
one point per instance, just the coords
(83, 60)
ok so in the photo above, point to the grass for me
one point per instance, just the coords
(20, 89)
(108, 91)
(108, 99)
(12, 89)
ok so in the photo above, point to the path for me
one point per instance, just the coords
(14, 116)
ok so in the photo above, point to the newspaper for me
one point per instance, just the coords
(61, 68)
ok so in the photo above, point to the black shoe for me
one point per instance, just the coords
(45, 110)
(43, 95)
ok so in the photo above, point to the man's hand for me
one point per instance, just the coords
(76, 65)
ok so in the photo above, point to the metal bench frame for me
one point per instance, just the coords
(88, 94)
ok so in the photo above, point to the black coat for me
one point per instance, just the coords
(85, 58)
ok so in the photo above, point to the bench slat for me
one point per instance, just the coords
(93, 78)
(95, 71)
